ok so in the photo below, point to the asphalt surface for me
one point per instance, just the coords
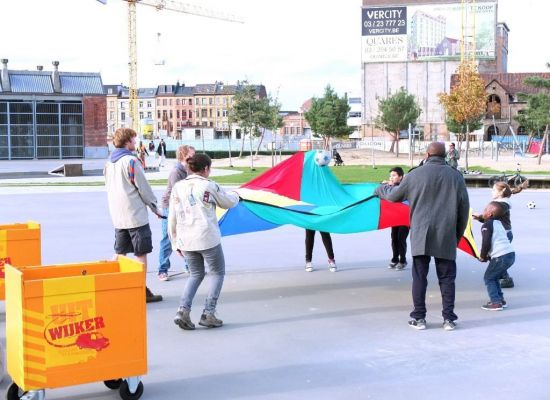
(289, 334)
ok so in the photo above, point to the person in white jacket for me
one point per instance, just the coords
(193, 230)
(129, 195)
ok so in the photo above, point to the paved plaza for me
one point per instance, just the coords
(289, 334)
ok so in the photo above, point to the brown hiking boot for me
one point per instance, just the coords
(210, 321)
(183, 319)
(150, 297)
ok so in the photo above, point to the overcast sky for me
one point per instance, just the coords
(294, 47)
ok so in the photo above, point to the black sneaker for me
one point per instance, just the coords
(419, 323)
(507, 283)
(449, 325)
(210, 321)
(492, 306)
(150, 297)
(392, 265)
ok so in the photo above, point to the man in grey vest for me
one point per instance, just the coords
(439, 208)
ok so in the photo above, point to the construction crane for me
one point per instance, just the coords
(170, 5)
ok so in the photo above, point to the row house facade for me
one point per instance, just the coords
(118, 109)
(172, 109)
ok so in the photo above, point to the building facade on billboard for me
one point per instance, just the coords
(418, 46)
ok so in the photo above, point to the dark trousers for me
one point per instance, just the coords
(446, 274)
(399, 243)
(310, 240)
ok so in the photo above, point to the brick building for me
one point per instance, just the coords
(503, 102)
(51, 114)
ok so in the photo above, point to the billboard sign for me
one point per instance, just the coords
(427, 32)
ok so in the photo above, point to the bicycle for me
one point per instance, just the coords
(514, 180)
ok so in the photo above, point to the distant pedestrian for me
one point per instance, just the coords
(452, 156)
(327, 242)
(178, 173)
(161, 151)
(194, 231)
(142, 152)
(398, 233)
(497, 249)
(151, 146)
(439, 208)
(129, 195)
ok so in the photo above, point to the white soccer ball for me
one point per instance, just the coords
(531, 205)
(322, 158)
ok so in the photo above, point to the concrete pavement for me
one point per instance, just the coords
(289, 334)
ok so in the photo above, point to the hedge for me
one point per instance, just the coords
(225, 154)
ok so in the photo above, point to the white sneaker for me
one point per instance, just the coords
(332, 266)
(309, 267)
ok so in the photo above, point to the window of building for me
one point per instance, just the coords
(196, 101)
(141, 115)
(122, 105)
(237, 133)
(210, 112)
(141, 104)
(112, 115)
(178, 114)
(170, 102)
(163, 102)
(224, 113)
(149, 104)
(171, 114)
(184, 114)
(203, 101)
(123, 116)
(190, 114)
(177, 102)
(112, 104)
(190, 102)
(149, 114)
(211, 100)
(197, 134)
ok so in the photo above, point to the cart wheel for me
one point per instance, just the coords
(113, 384)
(14, 392)
(125, 394)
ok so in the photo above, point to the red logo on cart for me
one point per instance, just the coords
(4, 261)
(66, 330)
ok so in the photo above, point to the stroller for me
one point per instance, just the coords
(337, 159)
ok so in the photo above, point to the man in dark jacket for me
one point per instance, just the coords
(439, 208)
(161, 151)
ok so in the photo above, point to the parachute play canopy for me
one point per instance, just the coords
(301, 193)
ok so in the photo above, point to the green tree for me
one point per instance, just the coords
(460, 129)
(395, 113)
(245, 112)
(328, 116)
(536, 116)
(268, 117)
(466, 104)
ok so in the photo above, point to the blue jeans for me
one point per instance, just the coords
(165, 246)
(216, 272)
(496, 270)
